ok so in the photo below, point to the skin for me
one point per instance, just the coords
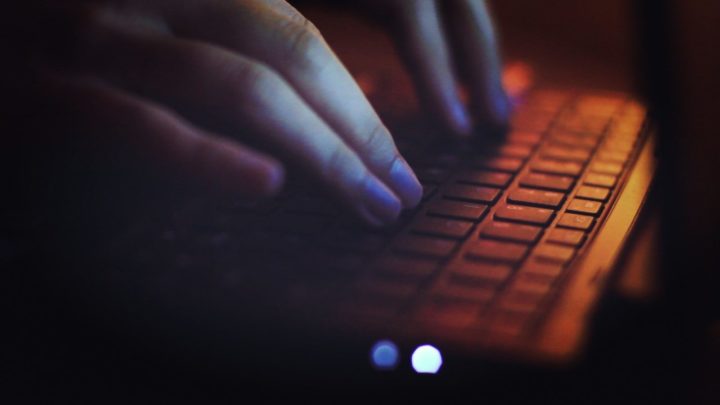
(437, 38)
(197, 88)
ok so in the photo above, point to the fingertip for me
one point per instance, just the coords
(272, 178)
(380, 206)
(460, 121)
(405, 183)
(501, 107)
(494, 110)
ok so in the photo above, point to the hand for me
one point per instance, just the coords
(443, 41)
(159, 81)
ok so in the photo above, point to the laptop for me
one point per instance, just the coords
(505, 260)
(505, 257)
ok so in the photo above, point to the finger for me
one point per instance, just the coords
(423, 45)
(285, 8)
(476, 44)
(293, 47)
(193, 76)
(117, 123)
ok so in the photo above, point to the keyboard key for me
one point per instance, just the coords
(530, 215)
(547, 181)
(542, 269)
(566, 237)
(626, 126)
(471, 193)
(606, 168)
(580, 206)
(307, 205)
(570, 121)
(524, 137)
(621, 141)
(433, 175)
(447, 228)
(535, 121)
(565, 153)
(340, 265)
(392, 290)
(468, 272)
(496, 251)
(512, 323)
(528, 283)
(559, 138)
(347, 240)
(597, 105)
(449, 310)
(302, 224)
(515, 150)
(613, 156)
(547, 100)
(499, 163)
(512, 232)
(456, 210)
(619, 145)
(428, 191)
(633, 111)
(405, 267)
(593, 193)
(386, 230)
(424, 246)
(484, 178)
(547, 199)
(602, 180)
(477, 293)
(554, 253)
(440, 159)
(575, 221)
(520, 302)
(556, 167)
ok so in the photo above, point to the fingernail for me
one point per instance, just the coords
(404, 182)
(380, 202)
(461, 118)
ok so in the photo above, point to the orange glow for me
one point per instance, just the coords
(517, 78)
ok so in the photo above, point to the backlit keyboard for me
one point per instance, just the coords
(488, 248)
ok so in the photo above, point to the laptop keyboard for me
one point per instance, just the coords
(489, 248)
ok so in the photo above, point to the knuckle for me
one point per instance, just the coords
(305, 46)
(298, 20)
(255, 75)
(374, 137)
(309, 26)
(343, 168)
(377, 145)
(334, 163)
(252, 80)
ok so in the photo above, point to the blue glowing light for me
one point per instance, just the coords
(426, 360)
(384, 355)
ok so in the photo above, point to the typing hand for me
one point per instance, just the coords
(442, 42)
(186, 86)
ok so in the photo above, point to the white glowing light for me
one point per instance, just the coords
(426, 360)
(384, 355)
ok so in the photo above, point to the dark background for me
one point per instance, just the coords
(656, 338)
